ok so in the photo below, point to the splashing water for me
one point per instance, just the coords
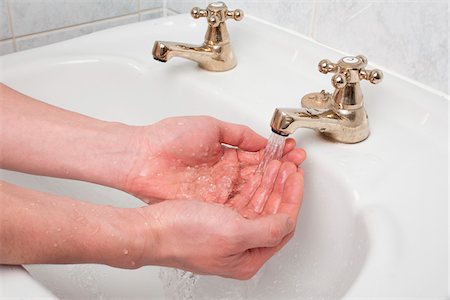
(178, 284)
(274, 150)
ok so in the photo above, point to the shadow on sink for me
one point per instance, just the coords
(324, 257)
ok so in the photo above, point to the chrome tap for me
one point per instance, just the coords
(215, 54)
(340, 116)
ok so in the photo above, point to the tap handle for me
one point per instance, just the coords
(375, 76)
(326, 66)
(198, 13)
(217, 13)
(350, 69)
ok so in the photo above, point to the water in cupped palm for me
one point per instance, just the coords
(179, 284)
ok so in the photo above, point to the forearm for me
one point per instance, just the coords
(37, 227)
(42, 139)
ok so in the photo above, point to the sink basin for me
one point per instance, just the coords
(375, 219)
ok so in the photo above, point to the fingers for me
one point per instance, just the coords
(241, 136)
(296, 156)
(249, 157)
(266, 231)
(266, 235)
(292, 196)
(289, 145)
(274, 201)
(258, 201)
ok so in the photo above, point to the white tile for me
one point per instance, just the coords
(5, 30)
(50, 37)
(408, 37)
(291, 14)
(6, 47)
(153, 14)
(32, 16)
(169, 12)
(183, 7)
(151, 4)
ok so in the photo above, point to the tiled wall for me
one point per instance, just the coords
(26, 24)
(409, 37)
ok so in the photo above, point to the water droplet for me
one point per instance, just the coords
(55, 245)
(58, 229)
(132, 263)
(125, 251)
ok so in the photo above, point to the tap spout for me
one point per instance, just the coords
(163, 51)
(213, 58)
(340, 125)
(286, 121)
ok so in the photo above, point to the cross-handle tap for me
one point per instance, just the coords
(349, 71)
(215, 54)
(340, 116)
(217, 13)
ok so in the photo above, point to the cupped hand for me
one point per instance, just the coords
(210, 238)
(202, 158)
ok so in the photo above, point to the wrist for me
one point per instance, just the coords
(124, 240)
(114, 150)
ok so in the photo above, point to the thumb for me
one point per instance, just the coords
(241, 136)
(267, 231)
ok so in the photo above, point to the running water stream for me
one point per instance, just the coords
(274, 150)
(179, 284)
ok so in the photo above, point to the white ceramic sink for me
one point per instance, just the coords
(375, 216)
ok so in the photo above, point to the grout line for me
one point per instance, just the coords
(80, 24)
(136, 13)
(13, 36)
(313, 25)
(168, 10)
(164, 8)
(139, 11)
(153, 10)
(60, 29)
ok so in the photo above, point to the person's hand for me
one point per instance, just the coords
(209, 238)
(191, 158)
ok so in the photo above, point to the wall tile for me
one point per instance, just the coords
(31, 16)
(183, 7)
(291, 14)
(5, 30)
(151, 4)
(50, 37)
(152, 14)
(6, 47)
(169, 12)
(407, 37)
